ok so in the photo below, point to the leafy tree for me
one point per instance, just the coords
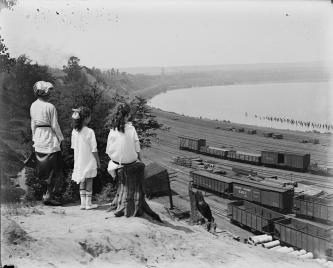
(144, 121)
(73, 69)
(17, 85)
(6, 62)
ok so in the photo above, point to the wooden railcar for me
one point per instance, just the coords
(255, 217)
(314, 208)
(305, 235)
(270, 195)
(244, 157)
(212, 182)
(191, 144)
(268, 134)
(277, 136)
(217, 152)
(286, 160)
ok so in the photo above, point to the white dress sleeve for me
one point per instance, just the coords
(73, 140)
(136, 141)
(107, 150)
(55, 125)
(33, 126)
(93, 142)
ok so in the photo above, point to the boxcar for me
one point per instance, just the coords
(256, 217)
(277, 136)
(244, 157)
(295, 161)
(305, 235)
(268, 134)
(251, 131)
(314, 208)
(217, 152)
(271, 195)
(191, 144)
(212, 182)
(203, 149)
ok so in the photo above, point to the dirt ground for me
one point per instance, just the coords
(68, 237)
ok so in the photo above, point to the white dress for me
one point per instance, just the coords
(122, 147)
(84, 144)
(46, 139)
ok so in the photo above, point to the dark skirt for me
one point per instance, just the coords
(130, 200)
(49, 168)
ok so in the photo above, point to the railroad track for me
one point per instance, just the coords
(309, 179)
(253, 142)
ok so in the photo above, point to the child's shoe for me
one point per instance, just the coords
(88, 202)
(83, 199)
(92, 206)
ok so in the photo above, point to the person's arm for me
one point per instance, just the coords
(97, 159)
(140, 156)
(55, 125)
(94, 148)
(137, 145)
(107, 150)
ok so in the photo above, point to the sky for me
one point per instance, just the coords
(126, 33)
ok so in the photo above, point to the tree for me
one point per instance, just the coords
(144, 121)
(18, 83)
(6, 62)
(73, 69)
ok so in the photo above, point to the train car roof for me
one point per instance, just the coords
(217, 148)
(285, 152)
(263, 185)
(213, 176)
(188, 137)
(247, 153)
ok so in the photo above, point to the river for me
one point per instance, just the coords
(303, 106)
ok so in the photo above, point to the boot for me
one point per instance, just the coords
(89, 205)
(83, 199)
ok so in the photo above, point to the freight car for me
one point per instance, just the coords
(191, 144)
(255, 217)
(305, 235)
(244, 157)
(286, 160)
(214, 151)
(283, 160)
(271, 195)
(212, 182)
(314, 208)
(267, 194)
(293, 232)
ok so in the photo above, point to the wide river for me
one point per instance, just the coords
(277, 105)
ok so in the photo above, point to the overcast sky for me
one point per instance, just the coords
(120, 34)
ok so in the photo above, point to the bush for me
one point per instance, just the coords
(70, 189)
(36, 187)
(11, 194)
(107, 194)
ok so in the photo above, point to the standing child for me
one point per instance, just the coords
(86, 160)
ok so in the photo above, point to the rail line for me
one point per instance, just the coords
(309, 179)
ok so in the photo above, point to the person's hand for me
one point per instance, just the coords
(63, 145)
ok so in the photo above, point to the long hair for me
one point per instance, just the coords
(118, 120)
(79, 115)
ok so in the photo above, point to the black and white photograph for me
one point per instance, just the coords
(166, 133)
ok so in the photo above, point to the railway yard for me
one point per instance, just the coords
(224, 134)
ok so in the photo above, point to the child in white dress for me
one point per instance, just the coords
(86, 160)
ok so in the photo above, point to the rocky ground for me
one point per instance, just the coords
(68, 237)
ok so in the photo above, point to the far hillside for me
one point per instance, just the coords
(153, 80)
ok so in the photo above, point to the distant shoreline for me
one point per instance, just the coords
(149, 93)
